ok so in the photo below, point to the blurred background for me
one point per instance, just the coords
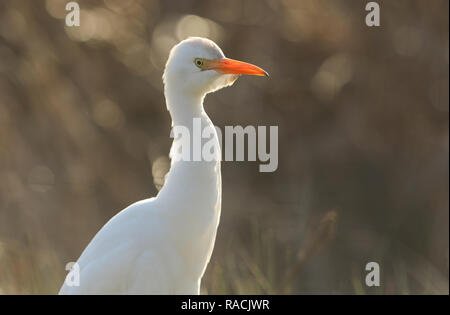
(363, 138)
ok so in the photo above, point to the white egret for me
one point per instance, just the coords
(162, 245)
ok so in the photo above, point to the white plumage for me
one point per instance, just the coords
(162, 245)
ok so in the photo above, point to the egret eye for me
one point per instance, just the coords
(198, 62)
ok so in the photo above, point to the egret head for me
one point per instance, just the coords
(197, 65)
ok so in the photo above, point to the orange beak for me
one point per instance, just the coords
(230, 66)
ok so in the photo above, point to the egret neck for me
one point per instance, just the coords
(195, 209)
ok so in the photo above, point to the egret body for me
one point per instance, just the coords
(162, 245)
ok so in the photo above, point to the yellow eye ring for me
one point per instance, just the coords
(198, 62)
